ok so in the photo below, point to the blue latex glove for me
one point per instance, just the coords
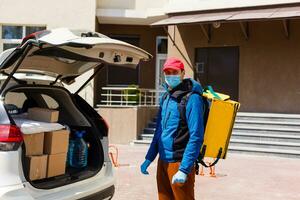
(145, 166)
(179, 177)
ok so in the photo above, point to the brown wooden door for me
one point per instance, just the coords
(219, 67)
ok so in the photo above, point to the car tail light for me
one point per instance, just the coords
(106, 124)
(35, 35)
(11, 137)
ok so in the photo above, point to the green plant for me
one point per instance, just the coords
(132, 94)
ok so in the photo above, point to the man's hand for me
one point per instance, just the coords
(179, 177)
(145, 166)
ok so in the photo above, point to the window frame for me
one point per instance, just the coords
(156, 44)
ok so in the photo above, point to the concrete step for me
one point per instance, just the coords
(265, 144)
(248, 129)
(146, 136)
(149, 131)
(271, 115)
(266, 123)
(265, 128)
(259, 135)
(266, 132)
(268, 117)
(262, 124)
(151, 124)
(248, 150)
(256, 133)
(256, 139)
(143, 142)
(265, 151)
(266, 137)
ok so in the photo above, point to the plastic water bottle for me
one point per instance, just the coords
(70, 152)
(78, 151)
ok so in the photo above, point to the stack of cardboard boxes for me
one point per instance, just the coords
(46, 153)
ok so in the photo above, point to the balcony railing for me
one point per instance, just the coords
(129, 96)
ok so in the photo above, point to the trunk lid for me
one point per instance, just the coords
(65, 55)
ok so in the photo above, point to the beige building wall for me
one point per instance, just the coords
(117, 4)
(131, 4)
(269, 65)
(73, 14)
(126, 124)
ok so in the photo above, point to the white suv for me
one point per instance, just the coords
(62, 55)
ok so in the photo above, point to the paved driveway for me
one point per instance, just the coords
(239, 177)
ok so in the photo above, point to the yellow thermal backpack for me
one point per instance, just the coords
(219, 120)
(219, 114)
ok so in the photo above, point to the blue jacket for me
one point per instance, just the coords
(175, 139)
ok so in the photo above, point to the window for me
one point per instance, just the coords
(161, 56)
(11, 36)
(12, 32)
(51, 103)
(162, 45)
(33, 29)
(15, 98)
(19, 100)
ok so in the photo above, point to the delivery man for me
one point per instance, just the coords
(177, 139)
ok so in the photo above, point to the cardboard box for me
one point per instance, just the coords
(34, 144)
(43, 115)
(56, 142)
(37, 167)
(56, 164)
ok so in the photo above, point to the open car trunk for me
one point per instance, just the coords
(74, 114)
(64, 56)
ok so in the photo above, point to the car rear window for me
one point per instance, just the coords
(51, 103)
(15, 98)
(19, 102)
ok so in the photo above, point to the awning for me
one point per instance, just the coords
(227, 16)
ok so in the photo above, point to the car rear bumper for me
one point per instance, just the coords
(101, 182)
(101, 186)
(105, 194)
(14, 192)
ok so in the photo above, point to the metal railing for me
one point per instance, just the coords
(129, 96)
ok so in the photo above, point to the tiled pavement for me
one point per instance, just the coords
(239, 177)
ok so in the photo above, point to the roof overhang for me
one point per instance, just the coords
(250, 14)
(179, 6)
(129, 16)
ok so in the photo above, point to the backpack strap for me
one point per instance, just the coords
(183, 102)
(201, 161)
(182, 110)
(163, 98)
(211, 90)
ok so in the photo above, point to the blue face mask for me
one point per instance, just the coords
(173, 80)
